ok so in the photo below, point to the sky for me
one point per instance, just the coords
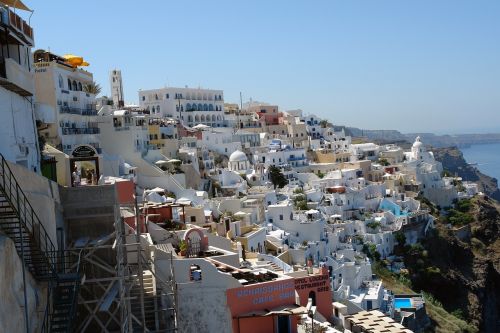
(414, 66)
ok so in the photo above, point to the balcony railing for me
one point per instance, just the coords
(11, 19)
(88, 130)
(297, 158)
(15, 77)
(83, 112)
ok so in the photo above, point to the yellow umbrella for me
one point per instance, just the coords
(75, 60)
(15, 4)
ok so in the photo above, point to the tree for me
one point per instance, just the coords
(277, 177)
(324, 123)
(92, 88)
(400, 238)
(383, 162)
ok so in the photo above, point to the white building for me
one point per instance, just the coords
(192, 106)
(18, 133)
(65, 107)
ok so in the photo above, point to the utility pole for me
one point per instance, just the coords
(139, 258)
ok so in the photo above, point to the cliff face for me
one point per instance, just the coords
(462, 270)
(454, 162)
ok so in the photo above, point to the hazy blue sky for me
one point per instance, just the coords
(426, 65)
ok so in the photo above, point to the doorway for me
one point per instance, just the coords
(84, 171)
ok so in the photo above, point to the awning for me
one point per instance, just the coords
(15, 4)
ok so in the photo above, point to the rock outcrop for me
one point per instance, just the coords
(464, 273)
(454, 162)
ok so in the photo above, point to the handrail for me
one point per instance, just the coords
(76, 287)
(27, 216)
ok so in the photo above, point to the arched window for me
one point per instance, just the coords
(79, 86)
(205, 107)
(75, 86)
(69, 84)
(202, 118)
(61, 82)
(210, 107)
(188, 107)
(213, 117)
(190, 118)
(196, 118)
(194, 107)
(200, 107)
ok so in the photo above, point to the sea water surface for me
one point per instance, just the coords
(486, 156)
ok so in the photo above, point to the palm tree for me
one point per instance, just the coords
(92, 88)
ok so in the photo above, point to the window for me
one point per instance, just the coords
(193, 219)
(79, 86)
(61, 83)
(195, 273)
(167, 96)
(69, 84)
(143, 98)
(281, 217)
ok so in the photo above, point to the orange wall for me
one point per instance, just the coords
(261, 325)
(261, 296)
(165, 213)
(125, 191)
(320, 284)
(269, 295)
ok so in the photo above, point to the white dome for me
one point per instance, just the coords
(417, 142)
(238, 156)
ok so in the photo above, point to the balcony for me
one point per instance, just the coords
(82, 112)
(86, 130)
(17, 25)
(16, 78)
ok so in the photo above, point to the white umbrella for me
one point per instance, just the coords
(200, 126)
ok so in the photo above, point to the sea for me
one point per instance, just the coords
(485, 157)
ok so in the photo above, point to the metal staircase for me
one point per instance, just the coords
(19, 222)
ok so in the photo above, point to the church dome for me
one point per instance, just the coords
(238, 156)
(417, 143)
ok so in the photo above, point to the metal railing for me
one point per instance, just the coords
(66, 263)
(72, 110)
(28, 219)
(83, 130)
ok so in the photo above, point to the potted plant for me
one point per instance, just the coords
(183, 247)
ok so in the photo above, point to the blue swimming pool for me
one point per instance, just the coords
(402, 303)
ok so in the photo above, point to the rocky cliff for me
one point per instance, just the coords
(454, 162)
(461, 267)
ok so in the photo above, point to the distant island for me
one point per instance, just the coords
(440, 141)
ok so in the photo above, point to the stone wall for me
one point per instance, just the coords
(89, 211)
(12, 318)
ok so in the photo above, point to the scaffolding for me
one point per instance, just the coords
(120, 291)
